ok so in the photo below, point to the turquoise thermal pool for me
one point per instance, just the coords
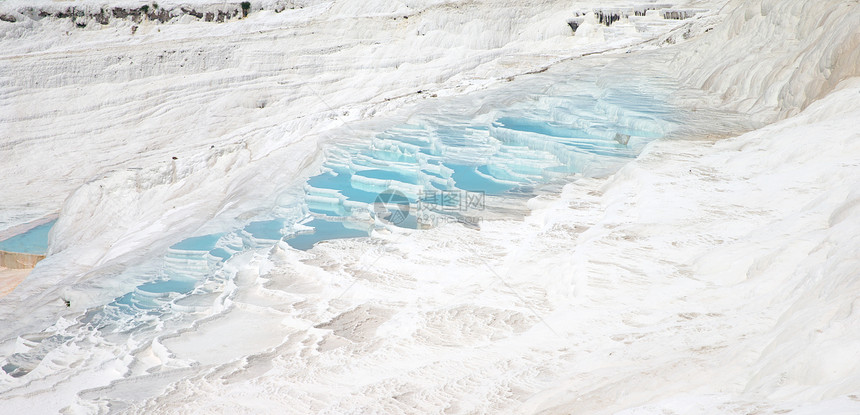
(459, 160)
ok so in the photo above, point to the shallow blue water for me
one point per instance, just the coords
(269, 230)
(199, 243)
(34, 241)
(436, 162)
(325, 230)
(469, 179)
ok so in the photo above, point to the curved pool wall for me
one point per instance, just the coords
(549, 128)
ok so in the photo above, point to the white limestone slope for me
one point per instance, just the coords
(775, 57)
(707, 276)
(242, 106)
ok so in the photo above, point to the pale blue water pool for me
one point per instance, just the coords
(541, 132)
(34, 241)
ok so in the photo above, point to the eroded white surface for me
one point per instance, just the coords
(707, 276)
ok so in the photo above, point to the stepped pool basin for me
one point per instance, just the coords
(459, 161)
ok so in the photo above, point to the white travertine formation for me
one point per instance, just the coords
(715, 273)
